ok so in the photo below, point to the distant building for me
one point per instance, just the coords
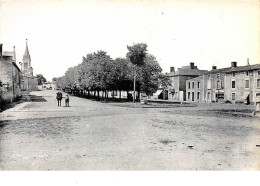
(30, 82)
(10, 78)
(48, 86)
(177, 91)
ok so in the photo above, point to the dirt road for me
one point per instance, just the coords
(92, 135)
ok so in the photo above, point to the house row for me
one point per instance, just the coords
(235, 84)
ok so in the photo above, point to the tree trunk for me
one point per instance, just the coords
(134, 87)
(163, 94)
(106, 95)
(119, 94)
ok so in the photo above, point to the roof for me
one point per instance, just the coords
(187, 72)
(221, 70)
(242, 68)
(7, 53)
(16, 66)
(196, 78)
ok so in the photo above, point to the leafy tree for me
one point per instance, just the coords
(164, 82)
(41, 79)
(120, 75)
(136, 55)
(149, 75)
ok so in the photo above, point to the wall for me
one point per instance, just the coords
(212, 88)
(240, 89)
(29, 83)
(10, 76)
(195, 90)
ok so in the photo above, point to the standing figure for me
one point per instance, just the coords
(67, 100)
(59, 98)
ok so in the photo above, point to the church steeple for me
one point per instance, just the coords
(26, 52)
(27, 69)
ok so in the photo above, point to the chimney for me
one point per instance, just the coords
(214, 67)
(172, 69)
(233, 64)
(191, 65)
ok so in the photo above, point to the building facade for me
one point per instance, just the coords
(195, 89)
(243, 84)
(233, 84)
(177, 91)
(10, 78)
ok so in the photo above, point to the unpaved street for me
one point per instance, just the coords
(92, 135)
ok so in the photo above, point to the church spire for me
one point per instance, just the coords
(26, 52)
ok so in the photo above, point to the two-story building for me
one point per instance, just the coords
(242, 84)
(177, 91)
(234, 84)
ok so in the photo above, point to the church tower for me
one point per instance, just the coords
(27, 68)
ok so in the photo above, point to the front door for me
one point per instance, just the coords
(208, 97)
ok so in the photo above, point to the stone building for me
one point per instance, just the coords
(195, 89)
(177, 91)
(208, 87)
(234, 84)
(30, 82)
(10, 78)
(242, 84)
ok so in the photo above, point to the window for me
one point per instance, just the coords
(192, 84)
(247, 73)
(258, 83)
(198, 84)
(188, 95)
(189, 85)
(209, 76)
(234, 74)
(218, 75)
(247, 83)
(233, 84)
(258, 72)
(233, 97)
(198, 95)
(218, 84)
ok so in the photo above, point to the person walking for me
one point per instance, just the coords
(67, 100)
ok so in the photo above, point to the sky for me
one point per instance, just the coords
(60, 32)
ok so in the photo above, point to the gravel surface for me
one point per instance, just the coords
(92, 135)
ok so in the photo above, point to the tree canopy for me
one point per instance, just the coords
(41, 79)
(99, 72)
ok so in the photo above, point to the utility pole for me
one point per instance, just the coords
(134, 85)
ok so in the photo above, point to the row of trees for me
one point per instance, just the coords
(99, 72)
